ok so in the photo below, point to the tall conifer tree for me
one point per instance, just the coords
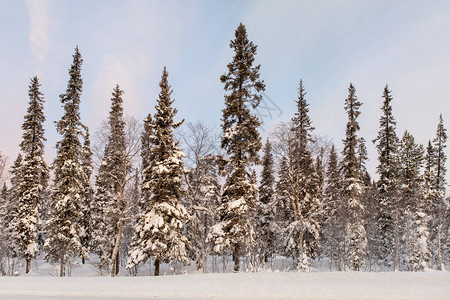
(266, 229)
(64, 228)
(355, 233)
(11, 210)
(87, 192)
(333, 227)
(389, 213)
(414, 229)
(304, 190)
(438, 203)
(159, 231)
(111, 180)
(34, 174)
(241, 142)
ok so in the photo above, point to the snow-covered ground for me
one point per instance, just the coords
(261, 285)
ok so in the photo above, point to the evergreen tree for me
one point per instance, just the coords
(411, 158)
(355, 233)
(415, 232)
(320, 172)
(429, 177)
(266, 228)
(283, 209)
(87, 192)
(111, 181)
(11, 211)
(420, 254)
(34, 173)
(389, 211)
(303, 189)
(147, 157)
(438, 205)
(361, 156)
(241, 142)
(3, 225)
(158, 233)
(64, 228)
(333, 210)
(413, 219)
(439, 144)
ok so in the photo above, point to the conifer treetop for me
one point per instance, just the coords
(242, 76)
(387, 141)
(350, 161)
(439, 143)
(241, 139)
(33, 120)
(302, 125)
(71, 98)
(267, 177)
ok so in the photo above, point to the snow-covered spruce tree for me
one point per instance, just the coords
(437, 205)
(446, 233)
(111, 180)
(34, 173)
(147, 161)
(3, 224)
(98, 215)
(241, 142)
(303, 233)
(320, 170)
(355, 233)
(388, 186)
(411, 158)
(414, 228)
(87, 192)
(158, 232)
(266, 228)
(64, 229)
(202, 187)
(333, 210)
(10, 214)
(361, 156)
(282, 206)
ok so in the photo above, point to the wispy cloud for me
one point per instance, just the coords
(38, 12)
(115, 69)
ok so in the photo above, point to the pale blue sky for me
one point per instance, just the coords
(326, 43)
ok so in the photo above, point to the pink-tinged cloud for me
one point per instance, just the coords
(38, 12)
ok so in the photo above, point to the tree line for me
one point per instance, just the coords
(185, 194)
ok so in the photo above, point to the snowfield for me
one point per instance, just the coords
(262, 285)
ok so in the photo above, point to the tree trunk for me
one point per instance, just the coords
(236, 257)
(396, 242)
(117, 263)
(441, 266)
(115, 254)
(62, 271)
(28, 269)
(157, 267)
